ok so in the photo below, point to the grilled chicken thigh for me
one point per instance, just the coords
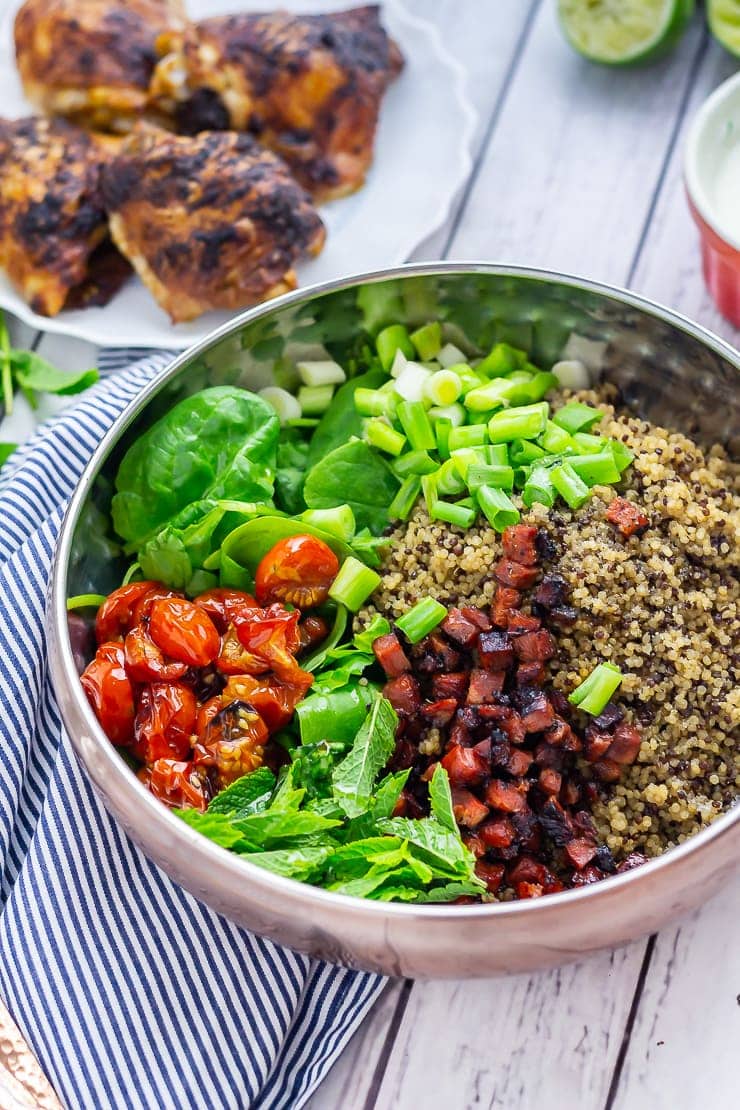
(92, 60)
(308, 86)
(54, 241)
(208, 221)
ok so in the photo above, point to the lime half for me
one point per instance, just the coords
(623, 32)
(724, 22)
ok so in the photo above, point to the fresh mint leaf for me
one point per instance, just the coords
(437, 845)
(446, 892)
(267, 830)
(352, 860)
(440, 798)
(381, 805)
(355, 776)
(249, 794)
(218, 827)
(305, 864)
(314, 763)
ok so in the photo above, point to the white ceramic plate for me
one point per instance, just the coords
(422, 157)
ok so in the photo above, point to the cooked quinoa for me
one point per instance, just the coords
(664, 607)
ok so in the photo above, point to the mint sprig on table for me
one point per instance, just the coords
(328, 820)
(31, 374)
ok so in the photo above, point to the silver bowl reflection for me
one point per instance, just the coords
(669, 370)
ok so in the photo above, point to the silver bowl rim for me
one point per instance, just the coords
(229, 865)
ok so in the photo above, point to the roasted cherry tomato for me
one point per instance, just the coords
(233, 743)
(235, 659)
(165, 722)
(298, 570)
(143, 607)
(273, 700)
(183, 631)
(116, 616)
(311, 631)
(145, 661)
(224, 606)
(177, 783)
(274, 638)
(206, 713)
(110, 693)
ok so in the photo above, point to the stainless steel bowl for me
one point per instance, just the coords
(669, 370)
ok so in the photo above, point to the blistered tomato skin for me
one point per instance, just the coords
(177, 783)
(145, 662)
(224, 606)
(117, 615)
(110, 693)
(165, 722)
(298, 570)
(184, 632)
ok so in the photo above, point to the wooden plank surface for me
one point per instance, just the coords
(577, 168)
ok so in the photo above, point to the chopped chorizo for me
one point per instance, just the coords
(519, 543)
(580, 851)
(506, 796)
(495, 651)
(516, 575)
(627, 517)
(625, 744)
(391, 656)
(404, 695)
(484, 685)
(468, 810)
(534, 646)
(505, 599)
(465, 766)
(492, 874)
(451, 685)
(441, 712)
(460, 629)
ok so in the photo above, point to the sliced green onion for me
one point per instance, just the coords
(595, 470)
(427, 340)
(443, 388)
(422, 619)
(374, 402)
(523, 451)
(405, 499)
(469, 378)
(496, 454)
(449, 481)
(284, 403)
(474, 435)
(415, 462)
(590, 445)
(455, 513)
(577, 417)
(303, 422)
(381, 435)
(526, 422)
(498, 508)
(534, 389)
(621, 452)
(411, 383)
(569, 485)
(354, 584)
(429, 491)
(416, 425)
(501, 360)
(400, 362)
(324, 372)
(85, 601)
(500, 477)
(465, 457)
(538, 487)
(450, 355)
(442, 429)
(593, 694)
(555, 440)
(454, 413)
(338, 521)
(391, 339)
(572, 374)
(315, 399)
(491, 396)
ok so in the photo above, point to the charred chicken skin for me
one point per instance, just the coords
(54, 242)
(208, 221)
(309, 87)
(92, 60)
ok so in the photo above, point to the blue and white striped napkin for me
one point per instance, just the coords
(131, 993)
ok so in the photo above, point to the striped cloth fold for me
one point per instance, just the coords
(130, 992)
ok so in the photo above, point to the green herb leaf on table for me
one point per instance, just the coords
(354, 777)
(6, 450)
(353, 474)
(33, 372)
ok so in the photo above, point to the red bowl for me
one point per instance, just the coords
(714, 139)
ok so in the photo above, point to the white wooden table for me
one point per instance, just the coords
(579, 169)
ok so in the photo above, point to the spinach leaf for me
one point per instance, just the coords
(440, 798)
(341, 420)
(317, 659)
(292, 460)
(181, 547)
(304, 863)
(247, 544)
(353, 779)
(35, 373)
(219, 443)
(355, 475)
(353, 663)
(366, 637)
(249, 794)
